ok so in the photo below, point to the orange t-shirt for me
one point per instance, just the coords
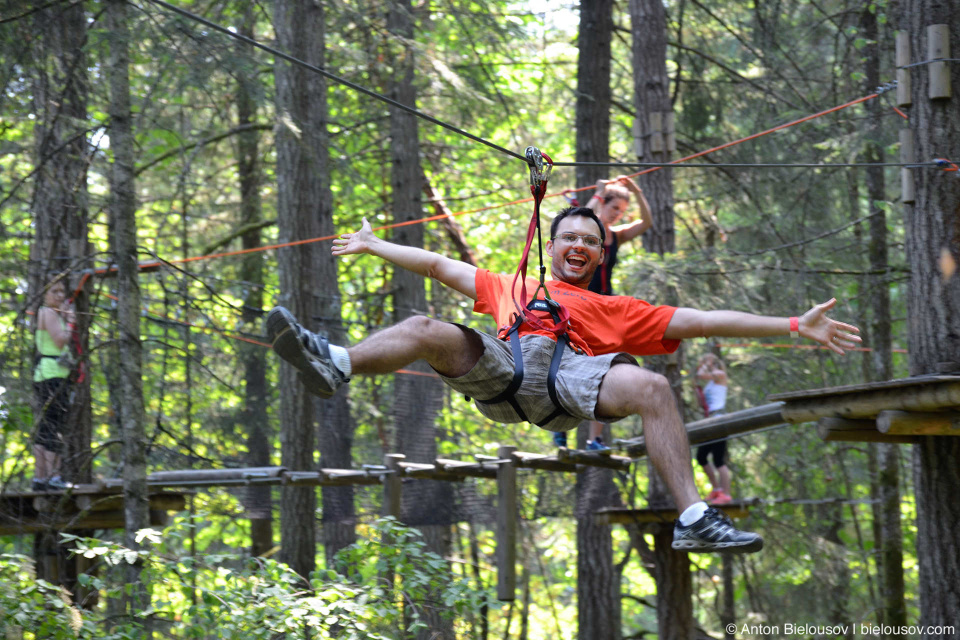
(598, 324)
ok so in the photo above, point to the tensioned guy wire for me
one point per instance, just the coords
(334, 77)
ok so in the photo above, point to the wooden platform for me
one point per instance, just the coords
(623, 515)
(84, 507)
(717, 427)
(896, 411)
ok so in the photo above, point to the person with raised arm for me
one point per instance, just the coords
(611, 202)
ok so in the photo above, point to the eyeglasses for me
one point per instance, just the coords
(571, 238)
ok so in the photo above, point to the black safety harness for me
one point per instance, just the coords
(540, 166)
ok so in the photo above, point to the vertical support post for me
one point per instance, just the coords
(728, 615)
(637, 138)
(938, 46)
(656, 132)
(506, 525)
(392, 492)
(904, 86)
(392, 485)
(668, 129)
(907, 155)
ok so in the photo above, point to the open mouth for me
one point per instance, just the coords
(576, 261)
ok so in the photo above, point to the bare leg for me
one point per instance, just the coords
(596, 429)
(711, 472)
(449, 349)
(629, 390)
(47, 462)
(724, 473)
(40, 462)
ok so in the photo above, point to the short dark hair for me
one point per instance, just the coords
(577, 211)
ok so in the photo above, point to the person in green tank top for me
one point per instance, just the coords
(51, 385)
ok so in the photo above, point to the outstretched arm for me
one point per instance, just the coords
(452, 273)
(814, 324)
(630, 230)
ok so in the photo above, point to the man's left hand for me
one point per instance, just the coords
(837, 336)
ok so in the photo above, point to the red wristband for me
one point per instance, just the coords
(794, 327)
(597, 197)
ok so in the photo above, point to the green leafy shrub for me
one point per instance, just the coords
(228, 596)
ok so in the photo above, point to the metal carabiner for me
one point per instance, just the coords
(540, 166)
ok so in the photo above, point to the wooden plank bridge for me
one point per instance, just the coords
(892, 411)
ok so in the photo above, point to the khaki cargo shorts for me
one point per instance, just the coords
(578, 381)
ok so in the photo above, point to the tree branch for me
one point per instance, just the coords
(217, 138)
(733, 72)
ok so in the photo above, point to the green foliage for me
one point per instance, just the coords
(228, 596)
(764, 240)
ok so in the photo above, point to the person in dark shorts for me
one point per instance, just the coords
(51, 384)
(713, 398)
(611, 202)
(597, 377)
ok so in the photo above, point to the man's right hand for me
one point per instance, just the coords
(354, 243)
(452, 273)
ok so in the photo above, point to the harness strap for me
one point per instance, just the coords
(562, 344)
(510, 393)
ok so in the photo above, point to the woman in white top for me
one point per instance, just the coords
(712, 369)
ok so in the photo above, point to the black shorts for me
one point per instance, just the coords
(53, 400)
(719, 451)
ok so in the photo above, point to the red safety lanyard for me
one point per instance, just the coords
(540, 166)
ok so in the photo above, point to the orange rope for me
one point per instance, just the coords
(504, 204)
(786, 345)
(499, 206)
(235, 336)
(762, 133)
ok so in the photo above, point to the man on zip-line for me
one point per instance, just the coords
(554, 387)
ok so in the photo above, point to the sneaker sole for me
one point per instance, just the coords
(283, 338)
(728, 547)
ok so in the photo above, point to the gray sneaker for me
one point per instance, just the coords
(306, 351)
(714, 532)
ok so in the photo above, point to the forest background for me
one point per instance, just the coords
(212, 173)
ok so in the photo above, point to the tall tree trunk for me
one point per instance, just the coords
(598, 596)
(123, 210)
(891, 536)
(427, 504)
(60, 223)
(652, 95)
(932, 226)
(302, 191)
(257, 501)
